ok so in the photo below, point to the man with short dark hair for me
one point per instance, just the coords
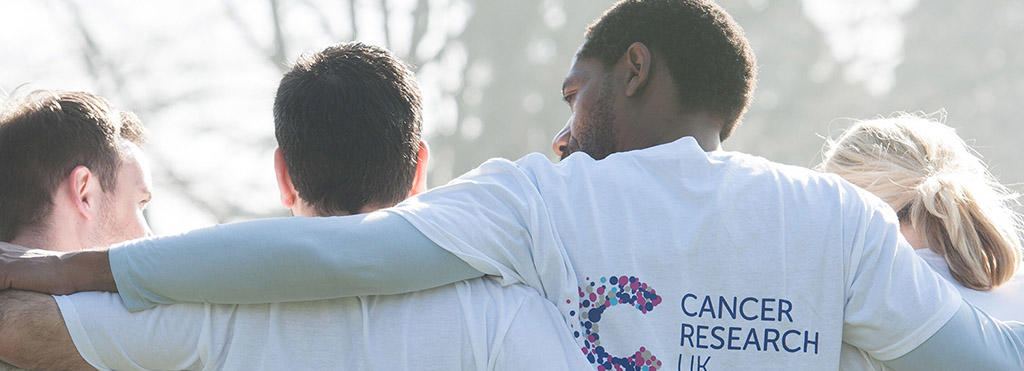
(707, 71)
(72, 177)
(70, 159)
(660, 250)
(351, 109)
(353, 157)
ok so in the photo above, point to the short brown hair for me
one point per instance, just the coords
(706, 52)
(348, 121)
(47, 134)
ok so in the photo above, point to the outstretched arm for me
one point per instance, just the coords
(971, 340)
(33, 334)
(901, 312)
(492, 217)
(272, 260)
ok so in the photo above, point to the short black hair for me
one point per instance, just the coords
(348, 122)
(705, 50)
(47, 134)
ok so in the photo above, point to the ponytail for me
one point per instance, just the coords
(922, 169)
(961, 219)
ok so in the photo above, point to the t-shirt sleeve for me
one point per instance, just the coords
(110, 338)
(894, 301)
(283, 260)
(494, 218)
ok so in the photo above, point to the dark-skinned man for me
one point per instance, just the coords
(661, 250)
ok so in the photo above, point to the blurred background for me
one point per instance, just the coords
(202, 76)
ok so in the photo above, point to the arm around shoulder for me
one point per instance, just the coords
(284, 260)
(971, 340)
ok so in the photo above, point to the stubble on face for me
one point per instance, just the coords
(109, 230)
(118, 218)
(596, 134)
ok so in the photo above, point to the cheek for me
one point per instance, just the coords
(584, 110)
(576, 123)
(131, 222)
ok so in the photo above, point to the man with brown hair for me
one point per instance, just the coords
(71, 173)
(72, 177)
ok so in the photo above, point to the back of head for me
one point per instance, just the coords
(347, 120)
(43, 137)
(706, 52)
(934, 181)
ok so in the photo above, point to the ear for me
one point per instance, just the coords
(419, 181)
(638, 59)
(85, 191)
(289, 196)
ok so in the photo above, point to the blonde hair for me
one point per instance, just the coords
(935, 181)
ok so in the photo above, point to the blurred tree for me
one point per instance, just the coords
(967, 59)
(202, 76)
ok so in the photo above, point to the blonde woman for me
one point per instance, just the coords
(953, 212)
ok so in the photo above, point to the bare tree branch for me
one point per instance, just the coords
(420, 17)
(354, 33)
(387, 24)
(279, 56)
(277, 52)
(101, 68)
(325, 22)
(247, 34)
(91, 54)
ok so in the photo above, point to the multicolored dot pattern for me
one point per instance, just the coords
(595, 298)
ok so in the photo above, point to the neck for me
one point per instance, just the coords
(910, 234)
(48, 239)
(708, 140)
(303, 209)
(661, 130)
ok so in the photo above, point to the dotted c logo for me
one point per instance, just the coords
(607, 292)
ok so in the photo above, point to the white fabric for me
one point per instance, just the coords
(1005, 303)
(730, 261)
(472, 325)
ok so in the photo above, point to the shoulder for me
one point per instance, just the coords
(499, 176)
(802, 183)
(503, 171)
(758, 167)
(532, 162)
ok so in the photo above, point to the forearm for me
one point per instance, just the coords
(970, 340)
(286, 259)
(52, 272)
(33, 334)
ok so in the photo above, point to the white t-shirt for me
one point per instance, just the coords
(672, 258)
(472, 325)
(1006, 303)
